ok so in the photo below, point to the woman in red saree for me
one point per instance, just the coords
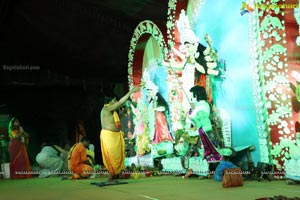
(19, 162)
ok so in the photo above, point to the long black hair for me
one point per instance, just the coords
(162, 102)
(199, 93)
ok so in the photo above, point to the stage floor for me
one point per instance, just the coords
(158, 187)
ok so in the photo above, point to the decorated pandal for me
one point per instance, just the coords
(169, 59)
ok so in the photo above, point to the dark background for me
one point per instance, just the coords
(80, 51)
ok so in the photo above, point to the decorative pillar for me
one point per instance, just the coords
(274, 100)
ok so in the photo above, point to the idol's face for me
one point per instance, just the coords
(149, 95)
(192, 59)
(192, 97)
(188, 45)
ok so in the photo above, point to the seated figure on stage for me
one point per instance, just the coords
(78, 160)
(50, 159)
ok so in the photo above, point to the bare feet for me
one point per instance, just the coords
(189, 173)
(75, 176)
(112, 178)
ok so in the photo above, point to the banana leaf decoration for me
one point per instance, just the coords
(273, 21)
(276, 23)
(264, 24)
(278, 48)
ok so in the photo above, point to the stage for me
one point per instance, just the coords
(159, 187)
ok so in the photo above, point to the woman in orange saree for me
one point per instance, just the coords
(19, 161)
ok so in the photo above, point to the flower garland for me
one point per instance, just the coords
(257, 85)
(144, 27)
(171, 23)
